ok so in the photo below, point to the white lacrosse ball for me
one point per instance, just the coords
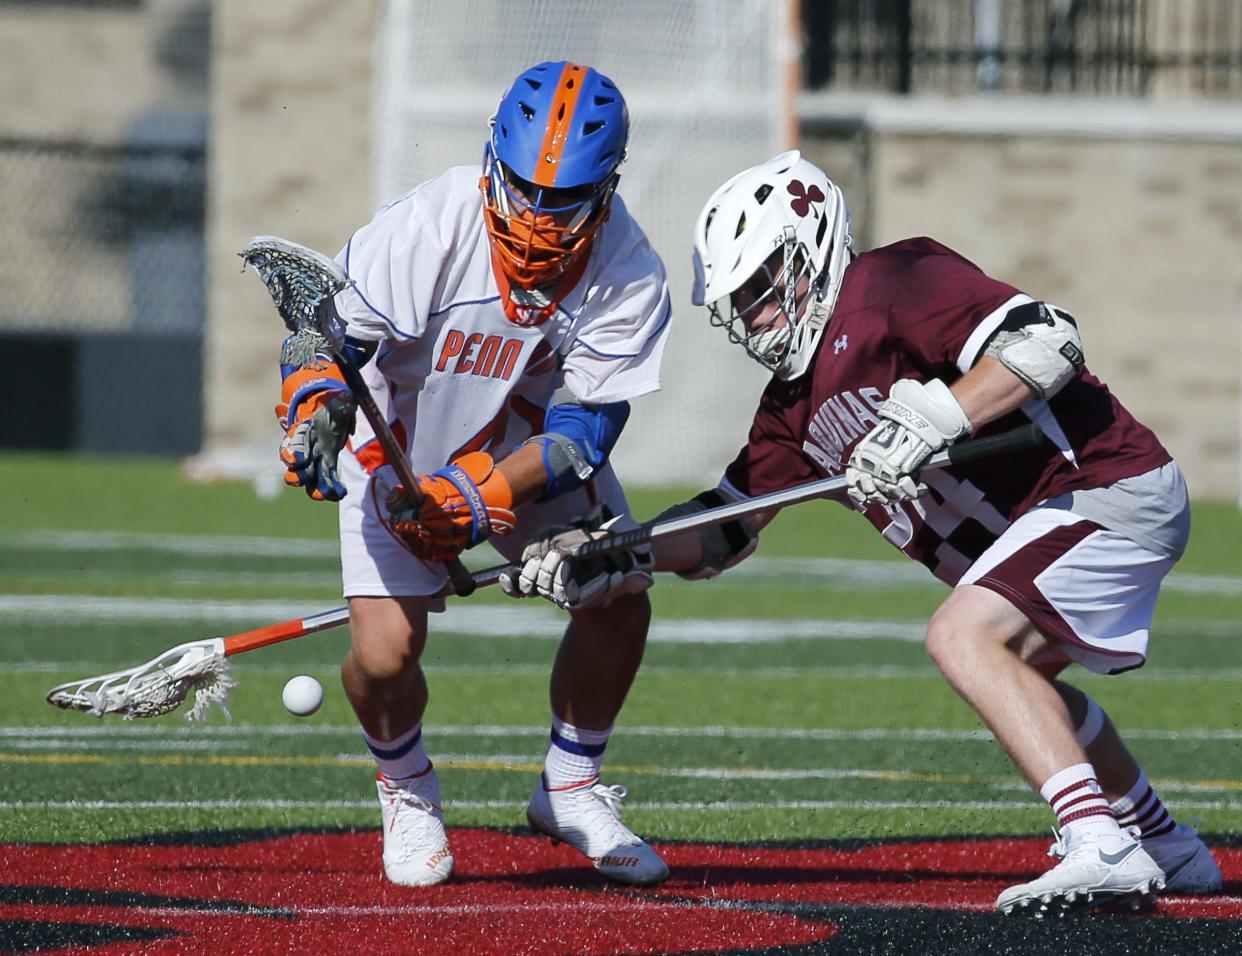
(302, 696)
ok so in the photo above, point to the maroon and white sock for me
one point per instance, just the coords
(1076, 797)
(1142, 808)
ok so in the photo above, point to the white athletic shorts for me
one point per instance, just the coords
(376, 563)
(1090, 589)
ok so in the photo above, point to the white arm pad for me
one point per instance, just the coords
(1040, 344)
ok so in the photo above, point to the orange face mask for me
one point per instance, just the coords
(534, 247)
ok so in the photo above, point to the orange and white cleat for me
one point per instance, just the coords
(587, 816)
(416, 850)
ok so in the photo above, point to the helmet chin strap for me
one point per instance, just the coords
(535, 305)
(807, 334)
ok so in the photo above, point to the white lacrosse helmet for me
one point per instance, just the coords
(786, 206)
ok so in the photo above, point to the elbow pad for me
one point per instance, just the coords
(576, 442)
(723, 545)
(1040, 344)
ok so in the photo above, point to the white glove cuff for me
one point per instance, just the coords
(927, 409)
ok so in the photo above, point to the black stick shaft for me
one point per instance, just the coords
(1027, 436)
(459, 575)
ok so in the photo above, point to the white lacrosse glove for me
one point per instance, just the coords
(549, 570)
(919, 419)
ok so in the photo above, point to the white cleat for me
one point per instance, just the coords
(416, 850)
(588, 818)
(1187, 862)
(1094, 869)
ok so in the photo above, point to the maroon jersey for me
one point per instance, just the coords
(916, 309)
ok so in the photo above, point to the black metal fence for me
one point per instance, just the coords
(104, 308)
(1135, 48)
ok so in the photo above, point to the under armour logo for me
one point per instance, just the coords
(840, 345)
(803, 197)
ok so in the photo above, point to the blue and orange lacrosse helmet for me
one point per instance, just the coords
(550, 168)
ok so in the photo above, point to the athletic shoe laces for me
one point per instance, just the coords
(1064, 842)
(1060, 845)
(413, 821)
(605, 808)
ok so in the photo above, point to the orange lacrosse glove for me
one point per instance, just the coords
(317, 412)
(462, 505)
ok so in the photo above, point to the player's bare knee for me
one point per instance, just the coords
(383, 656)
(945, 642)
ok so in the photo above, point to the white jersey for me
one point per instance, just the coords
(452, 373)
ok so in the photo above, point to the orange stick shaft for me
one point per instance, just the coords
(284, 631)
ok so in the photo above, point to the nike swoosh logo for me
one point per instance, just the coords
(1114, 858)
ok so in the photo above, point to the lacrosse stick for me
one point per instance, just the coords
(302, 283)
(1018, 439)
(161, 684)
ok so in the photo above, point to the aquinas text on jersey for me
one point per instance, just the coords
(838, 423)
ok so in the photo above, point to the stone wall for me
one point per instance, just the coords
(290, 156)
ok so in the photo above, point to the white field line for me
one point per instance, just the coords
(190, 544)
(627, 905)
(272, 581)
(526, 763)
(450, 805)
(866, 574)
(330, 673)
(312, 729)
(57, 743)
(511, 620)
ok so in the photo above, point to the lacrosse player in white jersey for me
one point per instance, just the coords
(506, 316)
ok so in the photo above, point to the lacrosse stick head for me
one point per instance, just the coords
(301, 283)
(157, 687)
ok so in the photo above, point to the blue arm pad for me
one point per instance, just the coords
(577, 441)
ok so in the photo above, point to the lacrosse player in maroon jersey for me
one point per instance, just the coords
(1055, 554)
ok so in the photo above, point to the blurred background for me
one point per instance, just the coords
(1087, 151)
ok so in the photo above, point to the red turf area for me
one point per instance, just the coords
(509, 895)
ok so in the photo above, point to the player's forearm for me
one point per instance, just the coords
(526, 474)
(989, 391)
(678, 554)
(710, 550)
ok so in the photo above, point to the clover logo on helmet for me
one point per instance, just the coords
(804, 198)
